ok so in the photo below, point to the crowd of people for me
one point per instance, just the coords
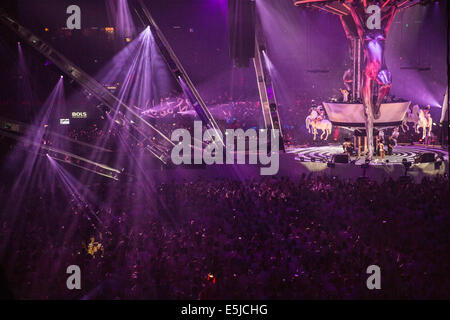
(232, 113)
(88, 134)
(244, 113)
(174, 111)
(271, 238)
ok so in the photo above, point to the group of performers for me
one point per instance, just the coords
(381, 142)
(349, 147)
(421, 119)
(390, 142)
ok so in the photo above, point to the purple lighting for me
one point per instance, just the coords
(112, 189)
(120, 15)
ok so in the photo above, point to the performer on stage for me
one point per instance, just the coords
(348, 146)
(321, 114)
(381, 149)
(425, 122)
(381, 135)
(345, 94)
(390, 145)
(377, 145)
(395, 135)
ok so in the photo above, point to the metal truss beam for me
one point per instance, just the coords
(177, 70)
(60, 155)
(341, 7)
(266, 88)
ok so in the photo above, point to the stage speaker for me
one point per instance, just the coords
(340, 158)
(425, 157)
(241, 24)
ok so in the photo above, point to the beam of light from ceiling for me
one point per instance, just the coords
(26, 95)
(33, 173)
(411, 83)
(119, 13)
(74, 189)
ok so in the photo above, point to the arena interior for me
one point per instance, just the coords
(117, 162)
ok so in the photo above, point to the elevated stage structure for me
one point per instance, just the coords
(351, 115)
(366, 24)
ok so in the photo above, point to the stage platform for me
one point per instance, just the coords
(400, 152)
(351, 115)
(290, 165)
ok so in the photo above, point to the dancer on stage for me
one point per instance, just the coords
(395, 135)
(345, 94)
(349, 147)
(390, 145)
(381, 149)
(321, 113)
(381, 135)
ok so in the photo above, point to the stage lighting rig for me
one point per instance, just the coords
(92, 88)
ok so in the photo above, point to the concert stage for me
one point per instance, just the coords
(298, 161)
(400, 152)
(316, 160)
(351, 115)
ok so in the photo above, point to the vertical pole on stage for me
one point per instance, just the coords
(265, 84)
(354, 94)
(443, 122)
(365, 144)
(267, 93)
(265, 106)
(358, 83)
(359, 146)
